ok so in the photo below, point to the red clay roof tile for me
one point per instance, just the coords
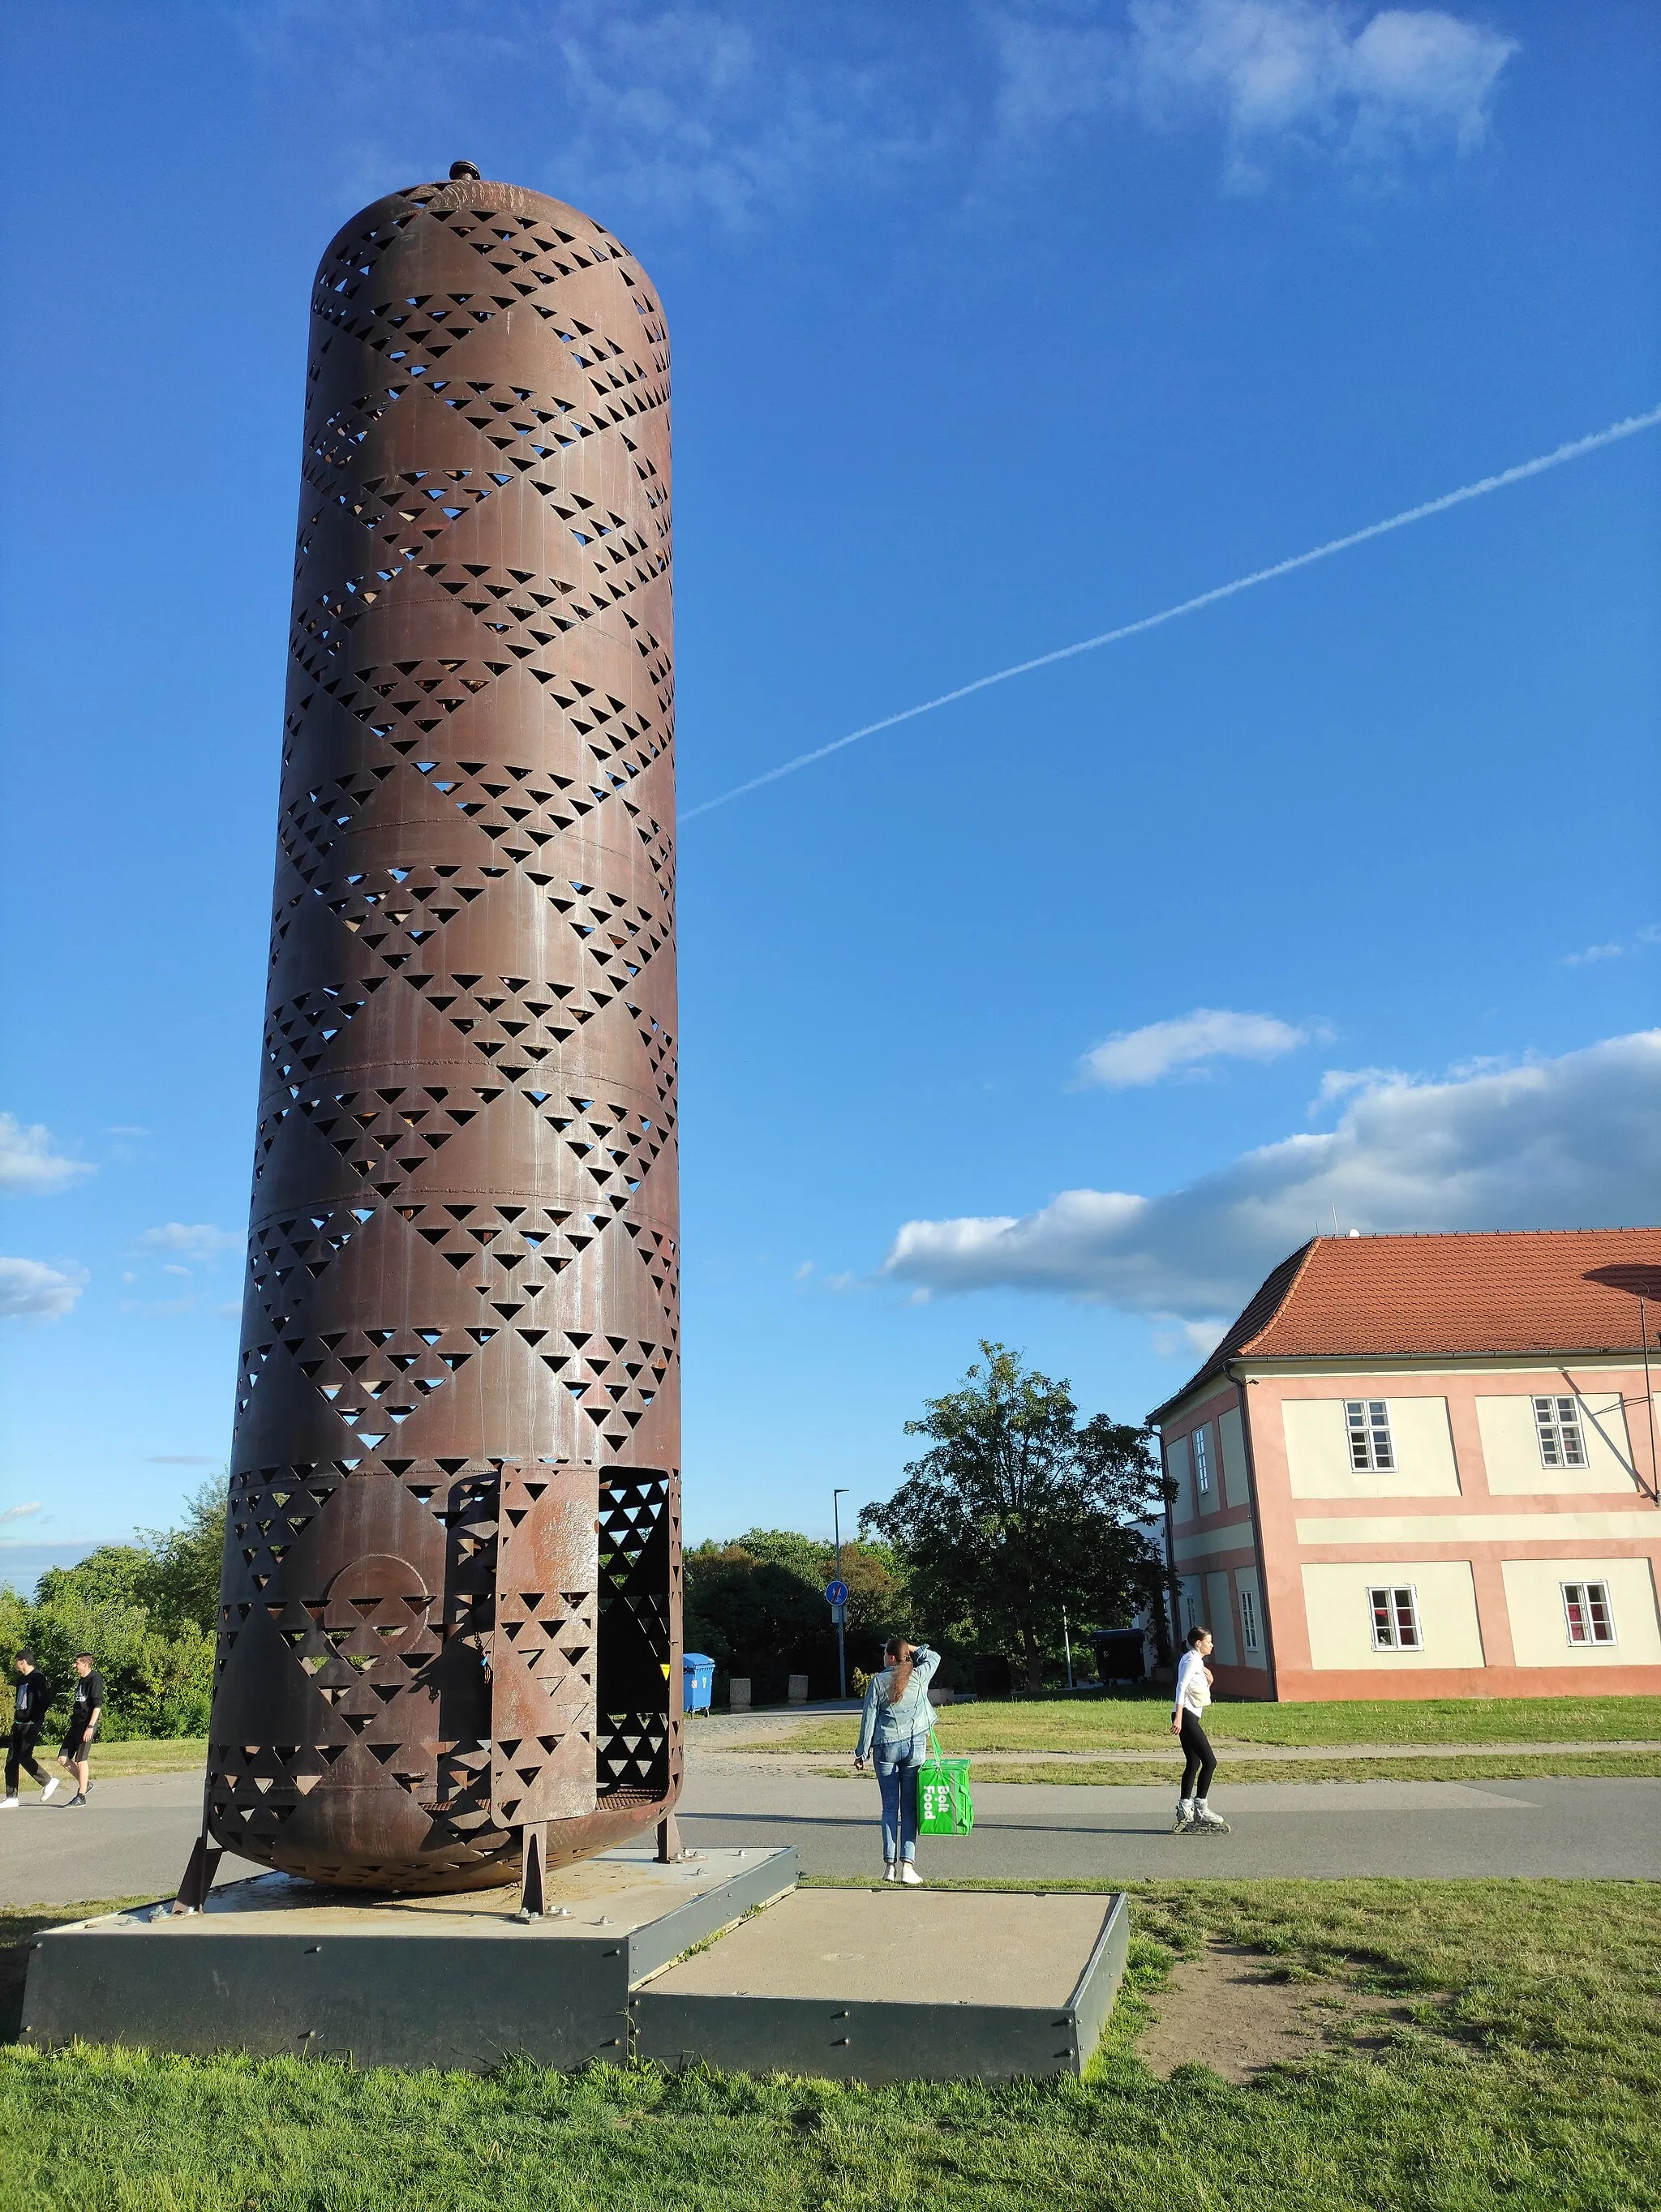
(1546, 1291)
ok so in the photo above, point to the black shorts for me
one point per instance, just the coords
(76, 1747)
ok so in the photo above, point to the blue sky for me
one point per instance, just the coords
(1061, 1014)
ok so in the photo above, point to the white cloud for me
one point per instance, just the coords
(1650, 934)
(1314, 75)
(1552, 1144)
(1137, 1056)
(20, 1512)
(30, 1287)
(1339, 1082)
(696, 114)
(1188, 1339)
(198, 1240)
(709, 117)
(28, 1166)
(1317, 75)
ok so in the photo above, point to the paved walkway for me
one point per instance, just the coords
(133, 1838)
(1037, 1832)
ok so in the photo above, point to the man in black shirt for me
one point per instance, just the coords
(84, 1716)
(34, 1696)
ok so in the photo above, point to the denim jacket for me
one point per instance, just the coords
(883, 1724)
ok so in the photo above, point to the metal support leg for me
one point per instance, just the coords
(532, 1890)
(199, 1875)
(669, 1848)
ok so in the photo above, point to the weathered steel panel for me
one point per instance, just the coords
(544, 1713)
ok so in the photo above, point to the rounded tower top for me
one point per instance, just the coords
(565, 241)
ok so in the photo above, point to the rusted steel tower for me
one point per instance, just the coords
(450, 1622)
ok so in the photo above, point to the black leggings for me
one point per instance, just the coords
(1200, 1761)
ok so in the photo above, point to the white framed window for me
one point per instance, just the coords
(1587, 1612)
(1557, 1423)
(1368, 1422)
(1394, 1608)
(1249, 1619)
(1200, 1441)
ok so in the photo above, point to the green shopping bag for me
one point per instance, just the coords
(944, 1805)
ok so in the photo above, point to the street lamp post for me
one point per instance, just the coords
(840, 1611)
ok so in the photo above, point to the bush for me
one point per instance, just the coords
(146, 1612)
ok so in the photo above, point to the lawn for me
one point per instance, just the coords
(170, 1754)
(1126, 1723)
(1469, 1766)
(1519, 2066)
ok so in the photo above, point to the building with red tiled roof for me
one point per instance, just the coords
(1427, 1467)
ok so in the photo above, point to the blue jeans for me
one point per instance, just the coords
(896, 1766)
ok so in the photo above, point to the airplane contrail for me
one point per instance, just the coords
(1572, 452)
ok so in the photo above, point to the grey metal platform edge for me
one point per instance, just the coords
(882, 2041)
(450, 1997)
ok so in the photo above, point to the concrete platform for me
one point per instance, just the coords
(275, 1965)
(894, 1985)
(876, 1984)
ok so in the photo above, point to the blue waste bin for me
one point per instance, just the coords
(698, 1675)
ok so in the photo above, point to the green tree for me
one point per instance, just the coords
(757, 1606)
(146, 1611)
(878, 1600)
(1018, 1508)
(184, 1582)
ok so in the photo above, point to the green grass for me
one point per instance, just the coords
(172, 1754)
(1126, 1723)
(1521, 2068)
(1496, 1766)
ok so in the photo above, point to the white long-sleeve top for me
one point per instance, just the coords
(1193, 1691)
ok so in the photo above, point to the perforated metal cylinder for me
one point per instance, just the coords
(451, 1604)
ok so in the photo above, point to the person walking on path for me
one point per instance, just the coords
(28, 1718)
(1193, 1815)
(894, 1735)
(84, 1716)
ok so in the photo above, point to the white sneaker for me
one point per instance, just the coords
(890, 1873)
(910, 1876)
(47, 1792)
(7, 1804)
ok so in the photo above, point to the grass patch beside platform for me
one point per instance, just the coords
(1521, 2067)
(1125, 1722)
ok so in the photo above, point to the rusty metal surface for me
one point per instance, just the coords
(463, 1245)
(544, 1655)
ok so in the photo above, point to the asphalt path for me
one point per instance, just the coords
(1037, 1832)
(134, 1837)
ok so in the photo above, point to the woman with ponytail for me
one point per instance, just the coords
(894, 1735)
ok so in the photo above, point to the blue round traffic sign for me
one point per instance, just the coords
(837, 1593)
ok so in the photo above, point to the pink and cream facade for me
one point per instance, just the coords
(1422, 1466)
